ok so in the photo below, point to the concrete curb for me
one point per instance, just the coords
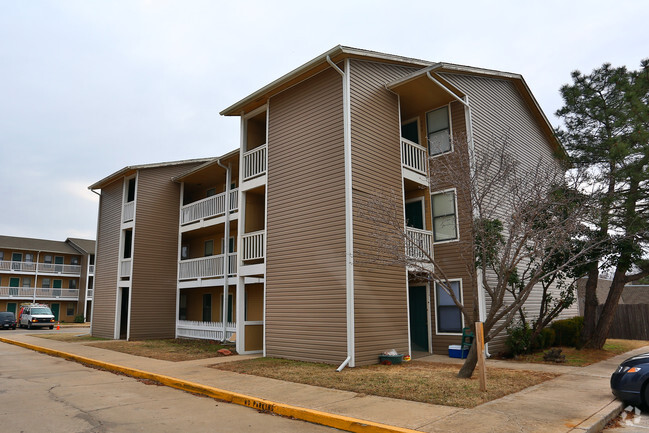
(310, 415)
(598, 421)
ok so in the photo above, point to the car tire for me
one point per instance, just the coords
(51, 327)
(29, 325)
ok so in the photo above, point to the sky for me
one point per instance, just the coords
(89, 87)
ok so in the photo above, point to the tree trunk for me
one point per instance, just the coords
(469, 364)
(590, 306)
(608, 312)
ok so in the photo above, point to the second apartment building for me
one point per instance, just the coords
(257, 246)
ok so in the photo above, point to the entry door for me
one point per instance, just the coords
(55, 311)
(11, 307)
(418, 317)
(415, 214)
(16, 259)
(14, 283)
(57, 287)
(58, 262)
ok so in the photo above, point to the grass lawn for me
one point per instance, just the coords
(417, 381)
(583, 357)
(173, 349)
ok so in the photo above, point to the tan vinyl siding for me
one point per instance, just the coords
(305, 265)
(106, 261)
(497, 109)
(380, 292)
(155, 253)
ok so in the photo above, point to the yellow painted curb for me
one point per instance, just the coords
(310, 415)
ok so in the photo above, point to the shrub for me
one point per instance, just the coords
(544, 340)
(568, 331)
(79, 318)
(518, 339)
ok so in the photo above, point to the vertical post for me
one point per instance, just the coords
(482, 368)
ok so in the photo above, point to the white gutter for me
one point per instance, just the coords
(349, 234)
(226, 247)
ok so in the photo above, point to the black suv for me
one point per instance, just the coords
(7, 320)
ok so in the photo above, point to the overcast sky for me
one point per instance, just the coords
(89, 87)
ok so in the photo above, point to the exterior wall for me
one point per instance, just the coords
(305, 253)
(107, 260)
(195, 303)
(497, 109)
(380, 292)
(155, 253)
(254, 334)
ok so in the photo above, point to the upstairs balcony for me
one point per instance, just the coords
(41, 268)
(38, 293)
(414, 160)
(419, 244)
(209, 207)
(254, 165)
(207, 267)
(128, 212)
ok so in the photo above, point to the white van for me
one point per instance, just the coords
(36, 316)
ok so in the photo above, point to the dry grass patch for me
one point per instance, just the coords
(69, 338)
(584, 357)
(417, 381)
(174, 349)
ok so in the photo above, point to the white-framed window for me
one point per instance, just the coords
(448, 316)
(45, 283)
(29, 258)
(47, 259)
(209, 248)
(445, 221)
(72, 284)
(184, 252)
(438, 130)
(27, 282)
(74, 260)
(70, 309)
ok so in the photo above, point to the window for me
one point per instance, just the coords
(184, 252)
(439, 131)
(45, 283)
(70, 310)
(29, 257)
(209, 248)
(449, 317)
(444, 216)
(182, 308)
(27, 282)
(72, 284)
(2, 255)
(74, 260)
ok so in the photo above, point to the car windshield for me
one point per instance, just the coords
(41, 311)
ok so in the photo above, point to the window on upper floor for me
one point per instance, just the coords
(72, 284)
(444, 216)
(130, 191)
(47, 259)
(209, 248)
(74, 260)
(27, 282)
(45, 283)
(2, 255)
(439, 131)
(29, 257)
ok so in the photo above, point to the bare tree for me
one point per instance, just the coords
(520, 219)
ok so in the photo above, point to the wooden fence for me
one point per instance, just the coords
(631, 322)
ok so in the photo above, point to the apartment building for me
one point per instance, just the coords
(259, 243)
(59, 274)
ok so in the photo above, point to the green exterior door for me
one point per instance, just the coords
(57, 287)
(415, 214)
(418, 317)
(14, 283)
(58, 262)
(55, 311)
(11, 307)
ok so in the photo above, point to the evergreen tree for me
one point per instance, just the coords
(606, 132)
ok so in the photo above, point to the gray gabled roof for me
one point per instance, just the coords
(31, 244)
(86, 246)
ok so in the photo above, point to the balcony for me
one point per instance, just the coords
(207, 267)
(414, 160)
(419, 244)
(253, 245)
(254, 163)
(39, 294)
(205, 330)
(42, 268)
(91, 269)
(129, 212)
(90, 293)
(209, 207)
(125, 267)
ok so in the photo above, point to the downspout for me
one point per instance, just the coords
(349, 235)
(482, 302)
(226, 247)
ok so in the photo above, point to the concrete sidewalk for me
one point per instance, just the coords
(579, 400)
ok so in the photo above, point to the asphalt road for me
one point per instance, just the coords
(40, 393)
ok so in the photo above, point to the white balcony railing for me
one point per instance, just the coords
(44, 268)
(125, 267)
(414, 156)
(41, 293)
(208, 207)
(254, 162)
(205, 330)
(91, 269)
(129, 211)
(90, 293)
(253, 245)
(206, 267)
(419, 243)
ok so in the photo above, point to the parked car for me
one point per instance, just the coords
(630, 382)
(7, 320)
(36, 316)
